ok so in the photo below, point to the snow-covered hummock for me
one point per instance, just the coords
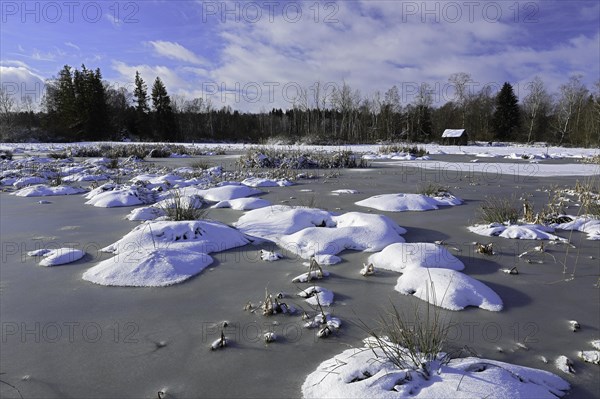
(42, 190)
(275, 221)
(587, 225)
(145, 213)
(316, 295)
(519, 232)
(163, 253)
(198, 235)
(453, 290)
(366, 373)
(243, 204)
(110, 195)
(314, 232)
(222, 193)
(401, 257)
(149, 268)
(184, 201)
(29, 181)
(408, 202)
(353, 230)
(84, 176)
(60, 256)
(261, 182)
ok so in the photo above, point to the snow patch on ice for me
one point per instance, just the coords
(401, 257)
(519, 232)
(452, 290)
(408, 202)
(148, 268)
(243, 204)
(58, 256)
(42, 190)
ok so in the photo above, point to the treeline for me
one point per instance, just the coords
(79, 105)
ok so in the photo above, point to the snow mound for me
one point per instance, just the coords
(82, 176)
(43, 190)
(222, 193)
(29, 181)
(148, 268)
(353, 230)
(145, 213)
(111, 195)
(453, 290)
(261, 182)
(400, 257)
(316, 295)
(519, 232)
(275, 221)
(586, 225)
(163, 253)
(407, 202)
(243, 204)
(366, 373)
(58, 256)
(198, 235)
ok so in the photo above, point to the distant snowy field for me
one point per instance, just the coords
(527, 160)
(481, 150)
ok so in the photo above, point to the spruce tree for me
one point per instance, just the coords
(141, 106)
(163, 112)
(506, 118)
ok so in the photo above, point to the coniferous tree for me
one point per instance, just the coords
(163, 111)
(506, 118)
(140, 93)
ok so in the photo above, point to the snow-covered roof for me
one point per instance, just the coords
(453, 133)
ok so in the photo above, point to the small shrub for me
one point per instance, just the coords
(396, 148)
(179, 208)
(296, 159)
(6, 155)
(433, 190)
(113, 163)
(498, 210)
(200, 165)
(413, 342)
(58, 155)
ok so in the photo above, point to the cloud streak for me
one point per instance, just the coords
(175, 51)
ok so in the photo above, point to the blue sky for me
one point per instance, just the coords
(255, 55)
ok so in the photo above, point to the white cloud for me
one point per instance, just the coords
(149, 73)
(72, 45)
(20, 81)
(175, 51)
(372, 48)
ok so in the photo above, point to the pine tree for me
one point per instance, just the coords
(163, 112)
(506, 118)
(140, 93)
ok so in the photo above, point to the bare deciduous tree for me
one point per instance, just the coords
(461, 81)
(535, 104)
(569, 106)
